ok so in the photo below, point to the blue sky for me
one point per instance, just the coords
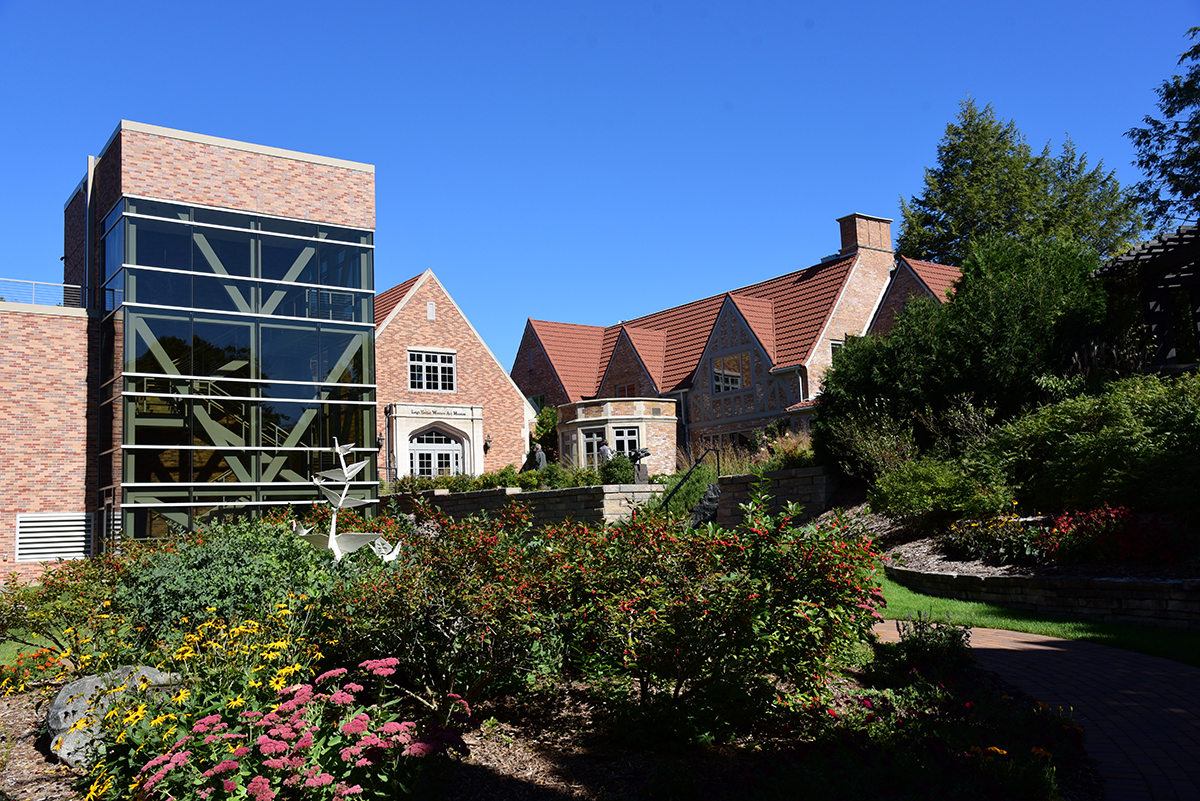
(578, 161)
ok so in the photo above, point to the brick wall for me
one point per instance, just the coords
(606, 503)
(44, 380)
(811, 487)
(533, 373)
(625, 368)
(1174, 604)
(763, 396)
(480, 380)
(75, 240)
(904, 285)
(194, 172)
(853, 311)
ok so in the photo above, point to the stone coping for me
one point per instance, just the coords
(1158, 602)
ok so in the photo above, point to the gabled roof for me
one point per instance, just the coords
(651, 347)
(937, 278)
(387, 301)
(574, 352)
(759, 314)
(786, 313)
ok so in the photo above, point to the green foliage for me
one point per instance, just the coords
(246, 724)
(680, 611)
(928, 491)
(545, 432)
(617, 470)
(1023, 310)
(1002, 538)
(227, 570)
(939, 651)
(463, 609)
(686, 498)
(988, 182)
(1135, 445)
(1166, 148)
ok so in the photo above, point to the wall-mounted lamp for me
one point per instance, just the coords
(487, 443)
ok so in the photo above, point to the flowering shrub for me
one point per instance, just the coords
(1112, 533)
(463, 608)
(1105, 533)
(679, 610)
(311, 740)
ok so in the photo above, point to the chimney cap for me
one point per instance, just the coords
(864, 231)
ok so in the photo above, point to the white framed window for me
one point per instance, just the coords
(625, 440)
(835, 347)
(591, 447)
(431, 372)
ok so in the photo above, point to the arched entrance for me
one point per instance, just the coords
(433, 452)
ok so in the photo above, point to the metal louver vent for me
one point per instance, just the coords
(43, 537)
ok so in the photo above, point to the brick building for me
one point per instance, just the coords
(732, 362)
(224, 341)
(447, 406)
(913, 279)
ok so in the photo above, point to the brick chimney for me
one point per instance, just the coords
(862, 231)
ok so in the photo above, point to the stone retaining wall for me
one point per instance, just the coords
(602, 503)
(1150, 602)
(811, 487)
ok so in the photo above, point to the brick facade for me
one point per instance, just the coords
(719, 417)
(904, 286)
(44, 380)
(485, 402)
(862, 293)
(625, 369)
(155, 164)
(653, 417)
(532, 368)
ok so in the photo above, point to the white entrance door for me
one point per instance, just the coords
(434, 453)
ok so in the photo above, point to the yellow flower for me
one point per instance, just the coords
(254, 683)
(135, 715)
(162, 719)
(121, 736)
(99, 788)
(996, 750)
(1041, 752)
(181, 696)
(277, 683)
(233, 703)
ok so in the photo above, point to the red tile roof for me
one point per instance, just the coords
(651, 346)
(938, 277)
(760, 316)
(786, 313)
(386, 301)
(574, 350)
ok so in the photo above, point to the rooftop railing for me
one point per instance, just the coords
(40, 293)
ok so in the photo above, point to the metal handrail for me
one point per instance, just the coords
(40, 293)
(675, 489)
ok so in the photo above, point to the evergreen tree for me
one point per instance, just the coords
(1167, 150)
(989, 182)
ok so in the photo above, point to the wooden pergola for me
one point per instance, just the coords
(1166, 273)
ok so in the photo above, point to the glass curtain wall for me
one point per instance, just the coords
(235, 348)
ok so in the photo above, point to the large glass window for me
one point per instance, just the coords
(625, 440)
(221, 252)
(269, 394)
(155, 243)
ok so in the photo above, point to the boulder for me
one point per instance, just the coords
(93, 695)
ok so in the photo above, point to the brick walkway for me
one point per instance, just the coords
(1141, 714)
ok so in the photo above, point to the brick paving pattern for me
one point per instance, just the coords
(1140, 713)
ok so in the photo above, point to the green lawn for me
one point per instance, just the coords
(1178, 644)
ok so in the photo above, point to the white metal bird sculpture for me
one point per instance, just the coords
(327, 481)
